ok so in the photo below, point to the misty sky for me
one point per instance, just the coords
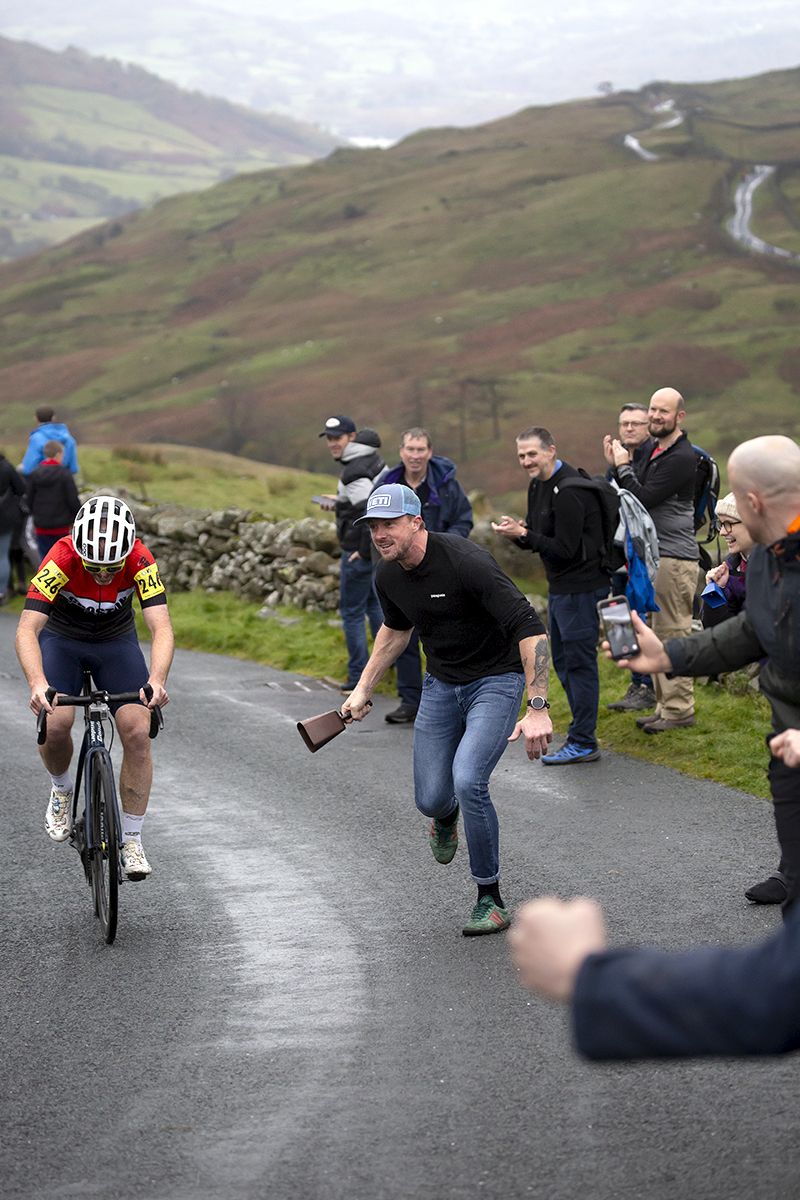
(382, 68)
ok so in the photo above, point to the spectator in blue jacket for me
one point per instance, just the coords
(445, 509)
(49, 430)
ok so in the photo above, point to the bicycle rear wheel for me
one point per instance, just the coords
(105, 843)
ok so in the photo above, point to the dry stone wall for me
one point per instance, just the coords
(272, 562)
(275, 563)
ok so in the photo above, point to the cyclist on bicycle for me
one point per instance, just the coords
(79, 615)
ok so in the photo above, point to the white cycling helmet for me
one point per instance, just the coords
(104, 531)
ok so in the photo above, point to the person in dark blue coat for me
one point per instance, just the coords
(445, 509)
(646, 1003)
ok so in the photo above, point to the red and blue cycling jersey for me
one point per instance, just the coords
(79, 607)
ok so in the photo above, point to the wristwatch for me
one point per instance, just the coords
(538, 703)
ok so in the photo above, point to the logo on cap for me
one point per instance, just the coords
(332, 422)
(379, 501)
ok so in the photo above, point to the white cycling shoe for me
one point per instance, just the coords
(134, 862)
(58, 818)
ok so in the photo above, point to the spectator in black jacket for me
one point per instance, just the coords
(12, 489)
(664, 483)
(53, 497)
(564, 526)
(362, 467)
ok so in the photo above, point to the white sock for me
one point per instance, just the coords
(132, 827)
(62, 782)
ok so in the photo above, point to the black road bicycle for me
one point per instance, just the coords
(97, 833)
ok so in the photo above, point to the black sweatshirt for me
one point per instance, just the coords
(566, 529)
(664, 483)
(468, 614)
(52, 495)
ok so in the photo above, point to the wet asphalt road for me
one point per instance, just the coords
(290, 1010)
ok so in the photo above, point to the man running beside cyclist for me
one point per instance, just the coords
(79, 615)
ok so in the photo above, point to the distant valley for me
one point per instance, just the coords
(82, 139)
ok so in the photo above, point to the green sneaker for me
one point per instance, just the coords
(487, 917)
(444, 840)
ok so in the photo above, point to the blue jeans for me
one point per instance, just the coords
(357, 600)
(409, 673)
(460, 733)
(574, 625)
(45, 542)
(5, 566)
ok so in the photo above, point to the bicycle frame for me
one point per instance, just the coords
(93, 744)
(95, 703)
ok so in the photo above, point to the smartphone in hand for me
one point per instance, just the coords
(615, 614)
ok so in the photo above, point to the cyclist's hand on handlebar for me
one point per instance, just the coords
(159, 696)
(357, 705)
(40, 699)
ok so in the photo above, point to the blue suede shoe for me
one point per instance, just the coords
(570, 753)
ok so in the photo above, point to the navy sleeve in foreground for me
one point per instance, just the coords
(649, 1004)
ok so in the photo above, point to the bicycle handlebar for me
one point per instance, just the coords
(97, 697)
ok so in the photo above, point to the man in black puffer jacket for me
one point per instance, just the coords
(362, 467)
(53, 497)
(12, 489)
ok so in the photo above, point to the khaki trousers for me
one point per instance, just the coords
(676, 584)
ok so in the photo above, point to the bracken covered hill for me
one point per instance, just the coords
(533, 270)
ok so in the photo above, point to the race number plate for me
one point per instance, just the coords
(50, 580)
(149, 582)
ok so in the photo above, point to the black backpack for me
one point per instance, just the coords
(612, 554)
(706, 493)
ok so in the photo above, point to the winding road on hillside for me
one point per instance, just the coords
(289, 1011)
(738, 226)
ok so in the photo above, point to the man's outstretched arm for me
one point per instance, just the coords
(388, 644)
(644, 1003)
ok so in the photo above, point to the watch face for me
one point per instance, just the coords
(537, 702)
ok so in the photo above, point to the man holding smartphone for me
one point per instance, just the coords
(362, 467)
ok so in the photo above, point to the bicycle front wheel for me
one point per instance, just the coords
(104, 843)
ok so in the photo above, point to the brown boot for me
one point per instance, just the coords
(641, 722)
(663, 723)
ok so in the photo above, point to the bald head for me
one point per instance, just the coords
(764, 475)
(664, 416)
(769, 466)
(668, 396)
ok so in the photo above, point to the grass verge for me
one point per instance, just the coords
(726, 745)
(223, 624)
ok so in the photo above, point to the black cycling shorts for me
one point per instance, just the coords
(116, 666)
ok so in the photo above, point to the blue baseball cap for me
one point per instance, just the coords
(392, 500)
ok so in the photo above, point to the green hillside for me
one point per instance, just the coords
(82, 139)
(474, 280)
